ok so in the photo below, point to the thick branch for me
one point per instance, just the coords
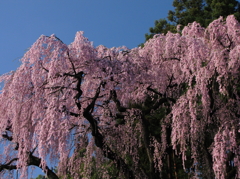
(155, 91)
(173, 58)
(230, 42)
(7, 167)
(71, 63)
(77, 76)
(114, 98)
(146, 142)
(32, 160)
(44, 68)
(6, 136)
(161, 101)
(99, 139)
(37, 162)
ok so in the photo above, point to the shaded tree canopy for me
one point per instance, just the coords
(167, 110)
(188, 11)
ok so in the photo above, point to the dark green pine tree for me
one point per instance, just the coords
(187, 11)
(216, 8)
(201, 11)
(41, 177)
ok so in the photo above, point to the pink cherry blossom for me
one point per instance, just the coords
(68, 104)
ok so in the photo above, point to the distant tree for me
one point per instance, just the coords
(217, 8)
(167, 110)
(40, 177)
(188, 11)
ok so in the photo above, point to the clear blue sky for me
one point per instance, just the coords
(107, 22)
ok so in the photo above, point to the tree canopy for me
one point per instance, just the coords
(188, 11)
(167, 110)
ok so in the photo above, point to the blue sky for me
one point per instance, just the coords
(107, 22)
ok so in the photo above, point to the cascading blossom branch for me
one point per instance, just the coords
(176, 98)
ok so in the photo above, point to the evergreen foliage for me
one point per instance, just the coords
(188, 11)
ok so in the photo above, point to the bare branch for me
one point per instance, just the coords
(73, 67)
(44, 68)
(108, 57)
